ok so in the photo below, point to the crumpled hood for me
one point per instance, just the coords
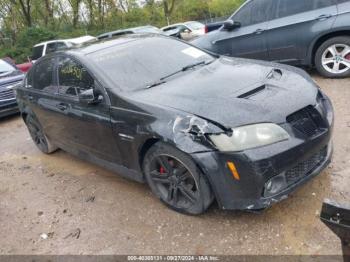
(236, 92)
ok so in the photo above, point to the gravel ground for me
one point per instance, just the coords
(59, 204)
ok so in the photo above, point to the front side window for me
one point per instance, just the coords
(73, 78)
(261, 11)
(37, 52)
(141, 62)
(43, 76)
(244, 15)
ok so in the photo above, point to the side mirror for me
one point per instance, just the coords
(231, 25)
(186, 31)
(90, 97)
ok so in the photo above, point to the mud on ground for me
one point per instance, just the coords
(59, 204)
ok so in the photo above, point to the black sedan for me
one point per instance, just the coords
(194, 126)
(10, 76)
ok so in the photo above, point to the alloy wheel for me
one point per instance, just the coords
(175, 183)
(37, 135)
(336, 59)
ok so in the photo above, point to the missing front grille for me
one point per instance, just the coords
(308, 121)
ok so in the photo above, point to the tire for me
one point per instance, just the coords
(332, 59)
(38, 136)
(176, 180)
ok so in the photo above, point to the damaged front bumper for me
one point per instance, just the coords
(295, 167)
(269, 174)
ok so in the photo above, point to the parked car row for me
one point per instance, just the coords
(10, 76)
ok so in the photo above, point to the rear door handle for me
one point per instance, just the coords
(323, 17)
(62, 107)
(259, 31)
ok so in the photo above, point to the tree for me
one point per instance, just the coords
(169, 6)
(75, 5)
(25, 7)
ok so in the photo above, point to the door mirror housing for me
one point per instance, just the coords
(230, 25)
(90, 97)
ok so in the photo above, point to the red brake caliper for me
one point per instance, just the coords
(347, 57)
(161, 170)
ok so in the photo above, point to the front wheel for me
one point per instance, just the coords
(332, 58)
(176, 180)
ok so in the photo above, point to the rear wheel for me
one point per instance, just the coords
(38, 136)
(176, 180)
(333, 58)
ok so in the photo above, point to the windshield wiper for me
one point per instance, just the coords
(185, 68)
(157, 83)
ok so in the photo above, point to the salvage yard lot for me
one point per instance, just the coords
(84, 209)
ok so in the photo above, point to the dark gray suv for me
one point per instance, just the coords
(298, 32)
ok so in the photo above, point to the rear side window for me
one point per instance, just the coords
(73, 78)
(323, 3)
(60, 46)
(43, 76)
(292, 7)
(50, 48)
(37, 52)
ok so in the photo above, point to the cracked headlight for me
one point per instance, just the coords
(247, 137)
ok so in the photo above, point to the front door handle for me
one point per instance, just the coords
(259, 31)
(323, 17)
(62, 107)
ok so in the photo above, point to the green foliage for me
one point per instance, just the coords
(25, 41)
(32, 36)
(50, 19)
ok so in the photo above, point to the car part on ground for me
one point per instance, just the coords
(10, 77)
(337, 218)
(307, 33)
(250, 144)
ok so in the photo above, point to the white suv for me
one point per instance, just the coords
(45, 48)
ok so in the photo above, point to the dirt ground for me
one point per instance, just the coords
(59, 204)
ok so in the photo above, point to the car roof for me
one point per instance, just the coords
(125, 30)
(92, 47)
(77, 40)
(177, 24)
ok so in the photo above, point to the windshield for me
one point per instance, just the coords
(6, 67)
(140, 63)
(195, 25)
(37, 52)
